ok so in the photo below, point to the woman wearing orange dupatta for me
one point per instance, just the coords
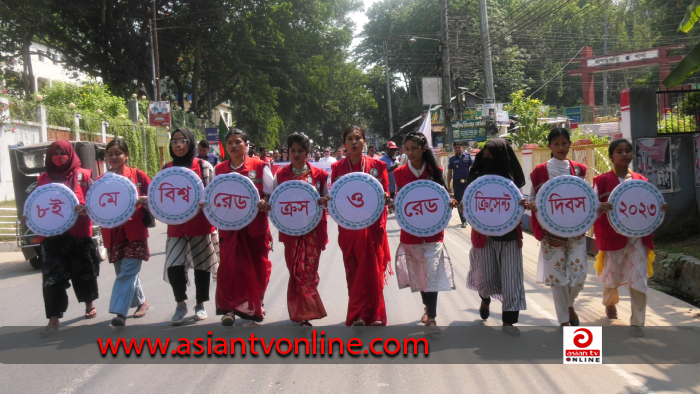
(302, 253)
(366, 252)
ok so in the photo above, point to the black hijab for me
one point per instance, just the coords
(504, 163)
(185, 161)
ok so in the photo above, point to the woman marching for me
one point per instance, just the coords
(563, 263)
(496, 263)
(127, 245)
(245, 268)
(190, 245)
(621, 260)
(72, 256)
(366, 252)
(424, 261)
(302, 253)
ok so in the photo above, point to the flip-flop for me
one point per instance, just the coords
(306, 324)
(89, 314)
(636, 331)
(612, 315)
(49, 331)
(228, 319)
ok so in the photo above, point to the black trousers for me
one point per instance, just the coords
(459, 189)
(508, 317)
(178, 281)
(56, 295)
(430, 302)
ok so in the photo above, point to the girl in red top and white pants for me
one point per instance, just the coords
(563, 263)
(423, 262)
(621, 260)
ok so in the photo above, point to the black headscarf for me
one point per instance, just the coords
(185, 161)
(504, 163)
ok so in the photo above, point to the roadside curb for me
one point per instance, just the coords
(9, 247)
(680, 272)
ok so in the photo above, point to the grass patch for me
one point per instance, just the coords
(689, 246)
(8, 204)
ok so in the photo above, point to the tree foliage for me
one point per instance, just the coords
(527, 110)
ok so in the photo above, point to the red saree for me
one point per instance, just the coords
(366, 253)
(244, 271)
(302, 254)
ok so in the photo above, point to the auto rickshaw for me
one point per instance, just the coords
(27, 163)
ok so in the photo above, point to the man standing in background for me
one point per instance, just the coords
(203, 153)
(459, 165)
(275, 156)
(338, 154)
(391, 165)
(371, 152)
(327, 156)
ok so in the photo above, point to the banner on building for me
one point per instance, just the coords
(653, 160)
(159, 113)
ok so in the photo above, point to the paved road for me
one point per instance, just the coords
(22, 305)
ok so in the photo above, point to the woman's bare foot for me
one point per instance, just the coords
(90, 311)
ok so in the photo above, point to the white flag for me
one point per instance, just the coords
(426, 130)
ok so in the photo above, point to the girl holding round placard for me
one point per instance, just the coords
(563, 263)
(191, 245)
(127, 245)
(69, 258)
(423, 260)
(496, 263)
(366, 253)
(622, 260)
(303, 253)
(245, 268)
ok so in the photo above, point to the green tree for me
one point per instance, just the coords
(527, 110)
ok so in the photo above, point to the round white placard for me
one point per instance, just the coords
(423, 208)
(357, 201)
(231, 201)
(111, 200)
(566, 206)
(492, 205)
(50, 209)
(636, 208)
(174, 195)
(295, 209)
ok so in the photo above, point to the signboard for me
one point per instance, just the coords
(174, 195)
(231, 201)
(111, 200)
(357, 201)
(423, 208)
(653, 160)
(212, 135)
(492, 205)
(619, 59)
(50, 209)
(636, 208)
(163, 137)
(502, 118)
(295, 210)
(432, 90)
(159, 113)
(566, 206)
(469, 130)
(471, 114)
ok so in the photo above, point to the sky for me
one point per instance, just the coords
(360, 19)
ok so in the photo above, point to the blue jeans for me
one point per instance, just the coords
(127, 291)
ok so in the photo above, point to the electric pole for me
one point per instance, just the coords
(155, 43)
(388, 90)
(446, 80)
(486, 48)
(153, 63)
(605, 74)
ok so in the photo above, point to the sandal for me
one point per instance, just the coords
(636, 331)
(91, 313)
(484, 312)
(431, 327)
(611, 312)
(141, 310)
(359, 323)
(424, 318)
(228, 319)
(49, 331)
(306, 323)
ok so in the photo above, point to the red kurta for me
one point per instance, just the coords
(79, 183)
(302, 254)
(366, 253)
(133, 230)
(539, 176)
(606, 237)
(403, 176)
(244, 270)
